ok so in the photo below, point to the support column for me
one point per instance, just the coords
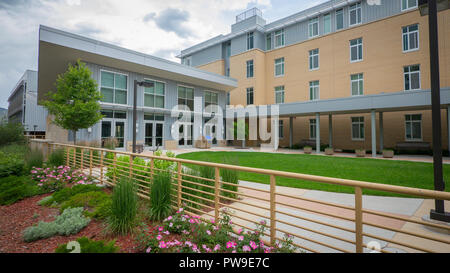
(330, 130)
(317, 133)
(380, 117)
(291, 132)
(374, 134)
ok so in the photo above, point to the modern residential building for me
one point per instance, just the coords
(346, 73)
(116, 69)
(23, 107)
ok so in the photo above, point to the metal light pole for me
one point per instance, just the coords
(136, 84)
(430, 8)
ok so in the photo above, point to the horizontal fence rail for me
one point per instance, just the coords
(312, 223)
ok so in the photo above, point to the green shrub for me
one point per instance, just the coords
(189, 190)
(56, 158)
(123, 207)
(11, 133)
(90, 246)
(160, 164)
(95, 203)
(65, 194)
(208, 173)
(71, 221)
(48, 200)
(11, 164)
(13, 189)
(160, 198)
(230, 176)
(34, 158)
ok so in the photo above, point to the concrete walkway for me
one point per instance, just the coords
(407, 207)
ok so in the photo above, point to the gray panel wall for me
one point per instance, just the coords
(208, 55)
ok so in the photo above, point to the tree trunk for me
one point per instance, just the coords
(74, 137)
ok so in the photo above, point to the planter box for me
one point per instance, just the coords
(307, 150)
(388, 153)
(360, 153)
(329, 151)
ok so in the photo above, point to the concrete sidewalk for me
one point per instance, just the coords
(407, 207)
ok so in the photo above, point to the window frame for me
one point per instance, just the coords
(408, 8)
(350, 9)
(193, 93)
(360, 93)
(269, 41)
(407, 34)
(325, 23)
(312, 128)
(114, 88)
(280, 129)
(311, 56)
(316, 87)
(413, 121)
(311, 22)
(211, 103)
(283, 40)
(250, 63)
(154, 94)
(359, 122)
(409, 73)
(250, 40)
(360, 54)
(339, 12)
(279, 91)
(252, 93)
(282, 65)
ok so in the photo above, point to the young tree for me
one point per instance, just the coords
(75, 104)
(240, 124)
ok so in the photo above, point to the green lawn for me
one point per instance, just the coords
(401, 173)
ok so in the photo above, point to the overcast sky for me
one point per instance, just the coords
(157, 27)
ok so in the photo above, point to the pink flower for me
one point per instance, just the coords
(241, 238)
(166, 232)
(162, 244)
(148, 250)
(239, 231)
(246, 248)
(253, 245)
(160, 229)
(208, 232)
(159, 237)
(217, 247)
(231, 244)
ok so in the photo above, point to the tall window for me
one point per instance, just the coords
(228, 98)
(154, 96)
(250, 41)
(280, 129)
(250, 69)
(211, 98)
(279, 94)
(339, 19)
(358, 128)
(279, 38)
(409, 4)
(113, 87)
(313, 27)
(250, 96)
(314, 90)
(186, 97)
(314, 59)
(312, 129)
(413, 126)
(357, 84)
(412, 77)
(355, 14)
(411, 38)
(356, 50)
(269, 41)
(327, 23)
(279, 67)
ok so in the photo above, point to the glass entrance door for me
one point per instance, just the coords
(154, 134)
(120, 133)
(106, 131)
(185, 134)
(149, 134)
(113, 129)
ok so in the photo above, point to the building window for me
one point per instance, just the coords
(185, 97)
(250, 42)
(187, 61)
(356, 50)
(250, 96)
(279, 67)
(314, 59)
(227, 73)
(413, 126)
(114, 87)
(412, 77)
(211, 98)
(355, 14)
(279, 38)
(279, 94)
(269, 41)
(357, 84)
(280, 129)
(327, 23)
(313, 27)
(408, 4)
(339, 19)
(312, 129)
(154, 96)
(228, 98)
(250, 69)
(411, 38)
(358, 128)
(314, 90)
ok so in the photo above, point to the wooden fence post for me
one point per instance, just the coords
(272, 210)
(358, 220)
(101, 167)
(114, 168)
(90, 162)
(152, 166)
(216, 195)
(81, 159)
(67, 156)
(131, 166)
(74, 157)
(179, 185)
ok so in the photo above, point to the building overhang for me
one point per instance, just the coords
(58, 48)
(385, 102)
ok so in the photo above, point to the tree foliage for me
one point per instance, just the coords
(75, 104)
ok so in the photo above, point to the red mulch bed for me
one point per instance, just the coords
(17, 217)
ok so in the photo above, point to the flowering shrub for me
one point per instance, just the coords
(182, 233)
(55, 178)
